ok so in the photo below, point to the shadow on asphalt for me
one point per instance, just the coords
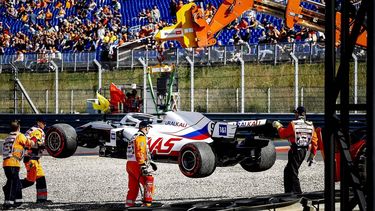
(304, 201)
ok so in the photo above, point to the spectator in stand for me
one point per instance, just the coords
(149, 15)
(20, 57)
(48, 16)
(142, 15)
(254, 23)
(210, 10)
(58, 4)
(246, 35)
(265, 23)
(92, 5)
(61, 14)
(173, 8)
(12, 12)
(180, 4)
(243, 24)
(155, 14)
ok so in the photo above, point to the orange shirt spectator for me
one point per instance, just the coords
(242, 25)
(106, 10)
(49, 15)
(69, 4)
(25, 18)
(58, 5)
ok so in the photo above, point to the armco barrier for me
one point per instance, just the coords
(75, 120)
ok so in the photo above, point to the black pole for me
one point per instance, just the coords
(329, 107)
(344, 101)
(370, 105)
(355, 31)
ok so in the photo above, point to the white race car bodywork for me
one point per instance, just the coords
(168, 136)
(190, 139)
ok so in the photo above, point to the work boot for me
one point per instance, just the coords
(7, 206)
(40, 201)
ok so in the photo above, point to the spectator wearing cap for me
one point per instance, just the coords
(300, 134)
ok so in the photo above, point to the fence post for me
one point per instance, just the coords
(22, 103)
(132, 64)
(269, 100)
(96, 62)
(46, 101)
(191, 62)
(117, 58)
(302, 90)
(311, 51)
(62, 63)
(237, 100)
(209, 55)
(1, 63)
(75, 62)
(275, 54)
(242, 84)
(177, 60)
(71, 101)
(56, 86)
(355, 79)
(207, 100)
(144, 83)
(295, 79)
(225, 55)
(88, 62)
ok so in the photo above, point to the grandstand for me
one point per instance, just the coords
(50, 26)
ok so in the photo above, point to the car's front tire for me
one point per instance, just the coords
(61, 140)
(197, 160)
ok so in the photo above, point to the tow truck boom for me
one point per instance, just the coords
(192, 30)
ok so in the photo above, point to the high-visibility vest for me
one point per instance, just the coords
(37, 135)
(14, 149)
(303, 132)
(138, 149)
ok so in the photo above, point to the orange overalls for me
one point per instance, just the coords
(137, 154)
(33, 166)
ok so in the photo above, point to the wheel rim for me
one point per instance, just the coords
(188, 160)
(54, 141)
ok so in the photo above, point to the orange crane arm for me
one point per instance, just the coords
(192, 30)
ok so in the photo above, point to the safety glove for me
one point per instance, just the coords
(144, 170)
(276, 124)
(311, 159)
(153, 166)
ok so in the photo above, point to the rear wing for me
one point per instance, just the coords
(258, 127)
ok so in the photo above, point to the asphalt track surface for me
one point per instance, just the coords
(90, 183)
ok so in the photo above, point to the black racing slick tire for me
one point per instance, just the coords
(265, 161)
(61, 140)
(197, 160)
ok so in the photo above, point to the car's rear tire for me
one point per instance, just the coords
(266, 160)
(197, 160)
(61, 140)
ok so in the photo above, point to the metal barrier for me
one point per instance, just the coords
(128, 54)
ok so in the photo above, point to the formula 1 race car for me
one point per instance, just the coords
(190, 139)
